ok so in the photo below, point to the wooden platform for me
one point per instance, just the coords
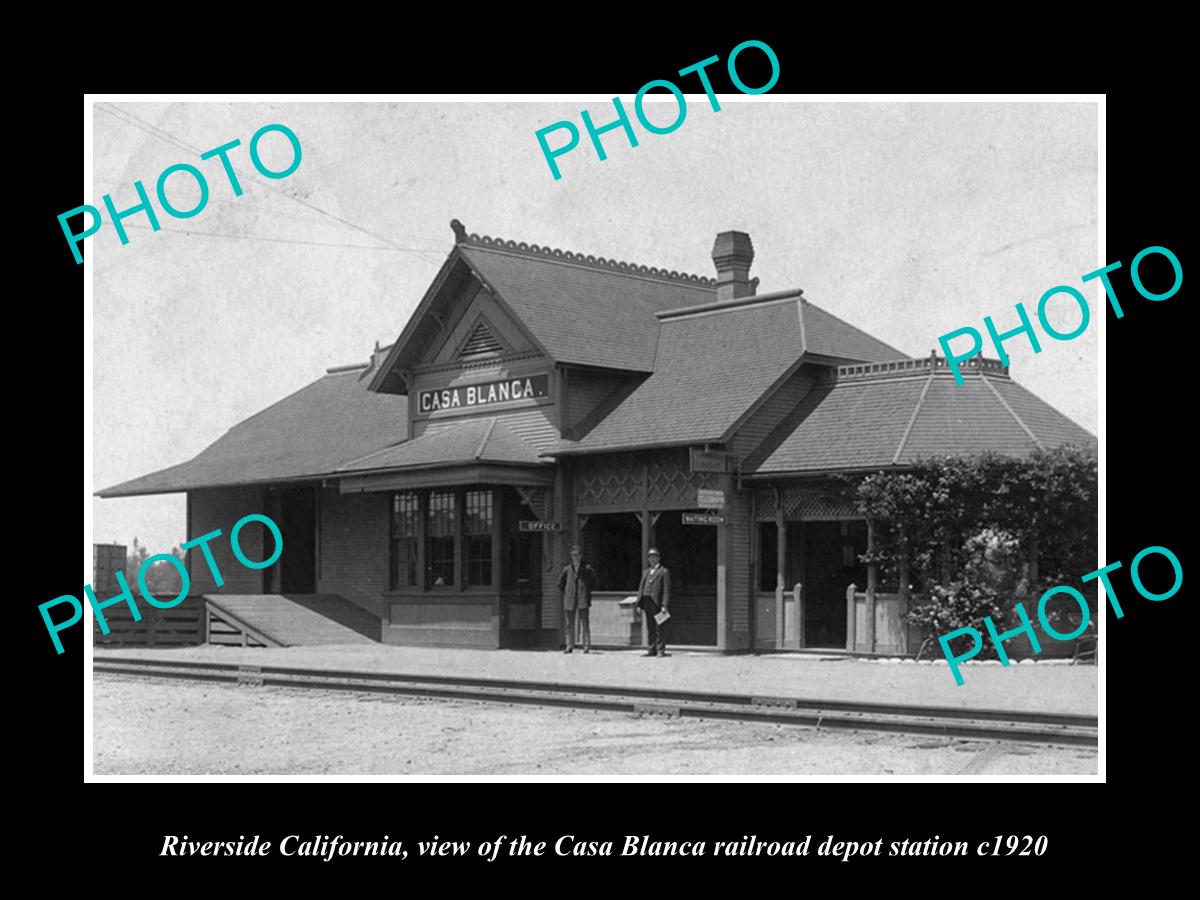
(294, 620)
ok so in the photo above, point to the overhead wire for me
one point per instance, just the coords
(179, 142)
(134, 121)
(254, 237)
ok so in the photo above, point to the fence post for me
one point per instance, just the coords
(799, 617)
(850, 637)
(872, 575)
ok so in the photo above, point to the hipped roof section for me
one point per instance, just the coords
(896, 414)
(474, 440)
(716, 362)
(305, 435)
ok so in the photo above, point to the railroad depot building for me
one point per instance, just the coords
(539, 398)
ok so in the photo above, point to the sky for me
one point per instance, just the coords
(908, 220)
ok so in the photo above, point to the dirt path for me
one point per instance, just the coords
(152, 728)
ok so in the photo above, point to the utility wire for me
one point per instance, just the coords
(129, 118)
(179, 142)
(250, 237)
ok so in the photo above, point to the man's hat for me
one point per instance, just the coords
(653, 552)
(575, 548)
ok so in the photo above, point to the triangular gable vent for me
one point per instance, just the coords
(480, 343)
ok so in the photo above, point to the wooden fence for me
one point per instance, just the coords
(179, 626)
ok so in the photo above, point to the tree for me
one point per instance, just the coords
(980, 533)
(162, 578)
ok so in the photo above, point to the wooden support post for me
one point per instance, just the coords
(850, 616)
(800, 571)
(903, 606)
(723, 612)
(501, 608)
(798, 597)
(779, 601)
(558, 513)
(780, 569)
(645, 517)
(872, 576)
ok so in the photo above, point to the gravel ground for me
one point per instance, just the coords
(1028, 686)
(185, 728)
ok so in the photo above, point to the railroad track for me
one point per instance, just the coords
(979, 724)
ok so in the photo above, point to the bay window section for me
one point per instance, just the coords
(449, 539)
(441, 526)
(404, 519)
(477, 538)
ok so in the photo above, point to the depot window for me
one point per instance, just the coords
(404, 521)
(440, 529)
(477, 538)
(447, 539)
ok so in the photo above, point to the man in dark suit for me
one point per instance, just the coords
(654, 596)
(575, 586)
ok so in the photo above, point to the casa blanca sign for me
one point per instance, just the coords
(528, 387)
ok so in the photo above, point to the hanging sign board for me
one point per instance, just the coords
(708, 460)
(710, 499)
(536, 525)
(702, 519)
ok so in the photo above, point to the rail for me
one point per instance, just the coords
(980, 724)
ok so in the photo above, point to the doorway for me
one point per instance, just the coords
(520, 572)
(690, 554)
(612, 544)
(297, 508)
(831, 552)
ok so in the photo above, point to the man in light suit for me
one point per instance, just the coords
(654, 596)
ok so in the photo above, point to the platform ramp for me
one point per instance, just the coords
(292, 620)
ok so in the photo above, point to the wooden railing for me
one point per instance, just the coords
(877, 622)
(179, 626)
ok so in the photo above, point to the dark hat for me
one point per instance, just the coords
(575, 548)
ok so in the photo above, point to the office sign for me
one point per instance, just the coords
(536, 525)
(702, 519)
(710, 499)
(469, 396)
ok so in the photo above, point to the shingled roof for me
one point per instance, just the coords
(709, 364)
(584, 310)
(715, 362)
(330, 422)
(474, 440)
(893, 414)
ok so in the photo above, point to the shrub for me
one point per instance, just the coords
(992, 575)
(980, 533)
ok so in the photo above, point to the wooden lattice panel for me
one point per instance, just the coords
(625, 480)
(817, 503)
(668, 480)
(764, 504)
(609, 481)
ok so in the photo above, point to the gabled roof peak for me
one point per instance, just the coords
(567, 256)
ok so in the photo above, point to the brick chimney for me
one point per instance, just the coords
(732, 254)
